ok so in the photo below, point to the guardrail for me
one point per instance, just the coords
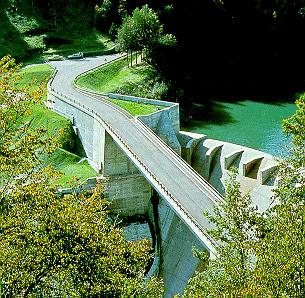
(192, 173)
(144, 169)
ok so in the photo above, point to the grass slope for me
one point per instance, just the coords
(65, 159)
(112, 76)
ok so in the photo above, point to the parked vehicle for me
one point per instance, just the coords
(78, 55)
(55, 58)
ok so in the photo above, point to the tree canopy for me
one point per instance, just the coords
(143, 30)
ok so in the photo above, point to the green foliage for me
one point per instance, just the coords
(51, 246)
(143, 30)
(295, 125)
(113, 30)
(134, 108)
(56, 126)
(98, 79)
(282, 269)
(122, 8)
(261, 255)
(145, 88)
(31, 32)
(136, 81)
(236, 226)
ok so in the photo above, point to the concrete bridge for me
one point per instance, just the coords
(141, 155)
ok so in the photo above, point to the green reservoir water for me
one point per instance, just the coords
(251, 124)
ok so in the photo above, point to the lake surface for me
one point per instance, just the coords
(251, 124)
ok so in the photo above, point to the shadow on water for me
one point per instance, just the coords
(213, 113)
(217, 112)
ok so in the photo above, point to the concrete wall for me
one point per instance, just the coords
(165, 123)
(189, 142)
(115, 161)
(176, 261)
(90, 131)
(128, 191)
(142, 100)
(129, 195)
(152, 120)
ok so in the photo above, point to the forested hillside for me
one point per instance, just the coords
(225, 50)
(30, 30)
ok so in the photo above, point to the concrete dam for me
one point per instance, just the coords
(156, 170)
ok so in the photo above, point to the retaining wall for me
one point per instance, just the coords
(152, 120)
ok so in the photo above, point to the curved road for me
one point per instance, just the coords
(189, 188)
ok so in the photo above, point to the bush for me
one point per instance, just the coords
(144, 88)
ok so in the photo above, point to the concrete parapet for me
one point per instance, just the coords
(152, 119)
(253, 167)
(250, 163)
(229, 159)
(189, 149)
(189, 142)
(166, 132)
(208, 160)
(265, 173)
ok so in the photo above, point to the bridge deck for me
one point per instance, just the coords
(191, 190)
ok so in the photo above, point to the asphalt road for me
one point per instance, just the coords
(190, 189)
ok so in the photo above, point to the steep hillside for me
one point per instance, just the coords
(32, 30)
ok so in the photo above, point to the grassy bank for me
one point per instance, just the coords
(110, 77)
(117, 76)
(67, 159)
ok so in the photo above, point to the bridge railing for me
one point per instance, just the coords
(107, 102)
(192, 173)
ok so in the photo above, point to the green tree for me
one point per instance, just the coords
(127, 37)
(143, 31)
(123, 8)
(282, 254)
(101, 11)
(236, 226)
(52, 246)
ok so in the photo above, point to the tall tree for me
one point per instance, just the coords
(143, 31)
(283, 253)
